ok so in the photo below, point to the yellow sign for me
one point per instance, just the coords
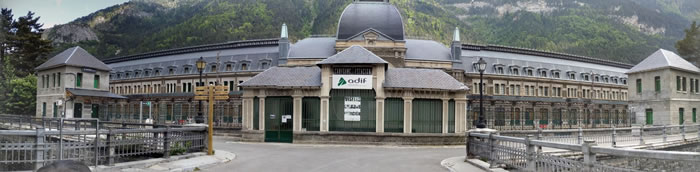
(201, 88)
(221, 93)
(221, 97)
(201, 97)
(221, 87)
(201, 93)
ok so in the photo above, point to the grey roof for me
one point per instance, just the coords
(75, 56)
(354, 55)
(313, 48)
(533, 52)
(664, 59)
(426, 50)
(93, 93)
(286, 77)
(360, 16)
(421, 79)
(198, 48)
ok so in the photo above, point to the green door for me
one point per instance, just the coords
(95, 111)
(650, 117)
(78, 110)
(278, 119)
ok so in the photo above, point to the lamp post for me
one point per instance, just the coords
(481, 65)
(200, 66)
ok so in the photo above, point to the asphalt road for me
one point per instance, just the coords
(262, 157)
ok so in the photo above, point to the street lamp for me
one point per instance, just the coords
(481, 65)
(200, 66)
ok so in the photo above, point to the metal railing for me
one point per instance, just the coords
(526, 154)
(549, 118)
(31, 142)
(628, 136)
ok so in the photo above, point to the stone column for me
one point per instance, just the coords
(460, 115)
(379, 114)
(296, 115)
(407, 111)
(261, 110)
(324, 113)
(445, 114)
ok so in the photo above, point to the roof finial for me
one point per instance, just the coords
(284, 31)
(456, 35)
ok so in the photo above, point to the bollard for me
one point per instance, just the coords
(531, 155)
(466, 145)
(39, 153)
(664, 132)
(166, 142)
(580, 136)
(588, 156)
(492, 153)
(614, 134)
(110, 147)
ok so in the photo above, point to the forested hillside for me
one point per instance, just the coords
(621, 30)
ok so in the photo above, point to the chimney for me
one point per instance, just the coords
(456, 46)
(283, 45)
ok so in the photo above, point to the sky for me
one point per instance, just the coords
(53, 12)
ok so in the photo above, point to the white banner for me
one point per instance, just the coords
(352, 108)
(352, 82)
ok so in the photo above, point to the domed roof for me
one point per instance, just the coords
(380, 16)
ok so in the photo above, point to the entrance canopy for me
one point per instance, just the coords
(92, 93)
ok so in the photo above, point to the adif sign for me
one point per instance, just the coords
(352, 82)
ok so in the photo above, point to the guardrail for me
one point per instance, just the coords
(29, 146)
(526, 154)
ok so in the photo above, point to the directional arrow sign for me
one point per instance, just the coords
(200, 97)
(221, 97)
(203, 88)
(221, 93)
(201, 93)
(221, 87)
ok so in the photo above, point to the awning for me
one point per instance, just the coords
(92, 93)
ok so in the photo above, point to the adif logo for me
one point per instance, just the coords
(342, 81)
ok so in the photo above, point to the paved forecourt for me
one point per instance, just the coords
(261, 157)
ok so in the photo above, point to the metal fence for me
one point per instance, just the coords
(29, 143)
(527, 154)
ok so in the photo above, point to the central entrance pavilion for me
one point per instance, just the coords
(350, 94)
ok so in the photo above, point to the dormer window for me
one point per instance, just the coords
(624, 81)
(265, 65)
(213, 68)
(127, 75)
(596, 79)
(157, 72)
(119, 76)
(515, 72)
(572, 76)
(555, 74)
(244, 66)
(229, 67)
(146, 73)
(543, 74)
(136, 74)
(171, 71)
(529, 72)
(585, 77)
(187, 70)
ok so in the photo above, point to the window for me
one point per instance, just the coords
(244, 66)
(650, 116)
(572, 76)
(678, 83)
(684, 84)
(43, 109)
(187, 70)
(680, 116)
(692, 85)
(639, 86)
(96, 83)
(516, 72)
(585, 77)
(59, 79)
(596, 79)
(695, 110)
(697, 88)
(213, 68)
(529, 72)
(171, 71)
(240, 88)
(228, 67)
(497, 90)
(624, 82)
(265, 65)
(119, 76)
(657, 83)
(146, 73)
(53, 79)
(79, 80)
(136, 74)
(543, 74)
(555, 74)
(157, 72)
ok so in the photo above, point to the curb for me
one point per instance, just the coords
(453, 164)
(161, 164)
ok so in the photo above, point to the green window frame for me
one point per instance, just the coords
(53, 79)
(657, 83)
(695, 110)
(96, 82)
(680, 116)
(79, 80)
(678, 83)
(43, 109)
(59, 79)
(55, 110)
(649, 116)
(684, 85)
(639, 85)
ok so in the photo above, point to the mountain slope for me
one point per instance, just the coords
(620, 30)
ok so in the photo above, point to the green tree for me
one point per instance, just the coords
(21, 96)
(689, 47)
(28, 49)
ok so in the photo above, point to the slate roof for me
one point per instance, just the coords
(286, 77)
(354, 55)
(664, 59)
(93, 93)
(313, 48)
(426, 50)
(380, 16)
(421, 79)
(75, 56)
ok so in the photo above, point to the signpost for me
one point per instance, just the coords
(211, 94)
